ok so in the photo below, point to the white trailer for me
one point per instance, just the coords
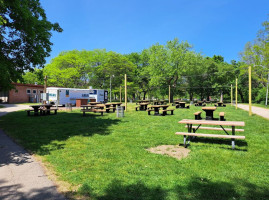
(61, 96)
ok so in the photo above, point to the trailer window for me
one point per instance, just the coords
(28, 91)
(34, 91)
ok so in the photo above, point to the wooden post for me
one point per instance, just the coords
(125, 92)
(169, 94)
(120, 94)
(231, 95)
(236, 93)
(45, 87)
(249, 96)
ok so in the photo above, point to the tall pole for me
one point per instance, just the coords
(125, 92)
(236, 93)
(120, 94)
(169, 93)
(266, 100)
(110, 88)
(45, 87)
(231, 95)
(249, 80)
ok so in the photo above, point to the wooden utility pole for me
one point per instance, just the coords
(231, 95)
(120, 94)
(169, 94)
(249, 93)
(45, 87)
(125, 92)
(236, 93)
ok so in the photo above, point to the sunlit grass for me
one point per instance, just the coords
(105, 157)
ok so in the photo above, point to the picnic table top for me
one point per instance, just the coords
(159, 106)
(143, 104)
(40, 105)
(87, 105)
(212, 122)
(182, 102)
(115, 103)
(209, 108)
(99, 105)
(93, 103)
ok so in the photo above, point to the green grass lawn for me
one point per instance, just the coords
(105, 157)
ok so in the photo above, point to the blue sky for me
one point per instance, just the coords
(220, 27)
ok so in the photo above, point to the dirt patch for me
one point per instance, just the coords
(174, 151)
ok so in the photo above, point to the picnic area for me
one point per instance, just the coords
(140, 156)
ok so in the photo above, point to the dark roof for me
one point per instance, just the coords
(29, 85)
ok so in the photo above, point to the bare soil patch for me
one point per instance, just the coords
(174, 151)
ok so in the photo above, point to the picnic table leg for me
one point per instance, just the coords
(35, 111)
(156, 109)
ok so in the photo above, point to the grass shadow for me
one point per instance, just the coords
(42, 134)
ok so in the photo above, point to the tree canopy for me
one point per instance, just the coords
(25, 36)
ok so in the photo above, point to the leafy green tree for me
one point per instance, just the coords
(166, 63)
(25, 36)
(113, 66)
(68, 69)
(34, 77)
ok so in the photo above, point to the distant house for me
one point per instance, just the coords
(22, 93)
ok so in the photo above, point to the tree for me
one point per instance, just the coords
(25, 36)
(68, 69)
(34, 77)
(166, 64)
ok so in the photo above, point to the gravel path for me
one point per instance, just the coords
(21, 176)
(263, 112)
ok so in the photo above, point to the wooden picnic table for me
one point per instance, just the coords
(157, 108)
(94, 103)
(143, 101)
(143, 106)
(220, 104)
(232, 124)
(182, 104)
(37, 108)
(88, 106)
(209, 112)
(114, 104)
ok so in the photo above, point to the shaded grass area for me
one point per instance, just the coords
(105, 157)
(2, 106)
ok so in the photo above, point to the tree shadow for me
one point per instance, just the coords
(43, 134)
(18, 192)
(239, 143)
(118, 191)
(204, 189)
(12, 153)
(197, 188)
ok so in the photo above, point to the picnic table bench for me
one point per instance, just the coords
(197, 115)
(191, 128)
(164, 112)
(220, 104)
(46, 111)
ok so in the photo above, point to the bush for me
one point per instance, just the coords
(261, 95)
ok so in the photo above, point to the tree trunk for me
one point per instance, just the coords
(144, 97)
(171, 96)
(241, 95)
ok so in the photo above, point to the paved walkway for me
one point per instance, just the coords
(263, 112)
(21, 176)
